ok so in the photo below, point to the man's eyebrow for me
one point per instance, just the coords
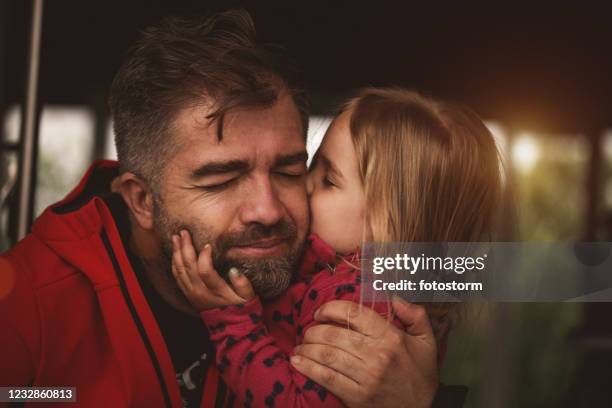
(290, 159)
(219, 167)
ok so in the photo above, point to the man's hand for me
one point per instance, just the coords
(372, 363)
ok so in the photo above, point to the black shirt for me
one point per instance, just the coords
(186, 336)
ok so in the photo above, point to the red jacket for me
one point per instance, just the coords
(72, 312)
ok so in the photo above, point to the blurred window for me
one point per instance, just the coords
(110, 151)
(64, 149)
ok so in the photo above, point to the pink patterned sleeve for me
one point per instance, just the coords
(337, 285)
(253, 365)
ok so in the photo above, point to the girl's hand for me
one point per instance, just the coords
(200, 282)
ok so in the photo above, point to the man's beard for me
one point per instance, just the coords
(269, 276)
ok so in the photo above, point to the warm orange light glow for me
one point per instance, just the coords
(525, 153)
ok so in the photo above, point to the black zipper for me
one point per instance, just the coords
(136, 318)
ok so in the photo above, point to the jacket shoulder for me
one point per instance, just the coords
(19, 304)
(34, 261)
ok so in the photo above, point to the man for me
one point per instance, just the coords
(210, 134)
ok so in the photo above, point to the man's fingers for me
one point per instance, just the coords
(360, 318)
(329, 379)
(348, 340)
(414, 318)
(334, 358)
(241, 284)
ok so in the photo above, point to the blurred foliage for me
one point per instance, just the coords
(550, 207)
(551, 197)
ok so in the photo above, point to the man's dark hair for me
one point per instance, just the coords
(187, 61)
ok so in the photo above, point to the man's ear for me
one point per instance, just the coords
(138, 197)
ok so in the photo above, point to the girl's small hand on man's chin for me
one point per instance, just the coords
(200, 282)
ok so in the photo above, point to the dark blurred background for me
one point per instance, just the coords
(539, 74)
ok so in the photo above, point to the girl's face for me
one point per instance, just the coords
(336, 195)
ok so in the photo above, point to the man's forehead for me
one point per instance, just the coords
(261, 135)
(280, 121)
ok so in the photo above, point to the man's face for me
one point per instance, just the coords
(245, 194)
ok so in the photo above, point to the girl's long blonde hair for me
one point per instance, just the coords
(430, 170)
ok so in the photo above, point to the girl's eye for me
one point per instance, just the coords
(328, 182)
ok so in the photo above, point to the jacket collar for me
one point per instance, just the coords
(82, 230)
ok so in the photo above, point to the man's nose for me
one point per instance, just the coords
(262, 205)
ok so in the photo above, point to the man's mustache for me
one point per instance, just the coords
(283, 230)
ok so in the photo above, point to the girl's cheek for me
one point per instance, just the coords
(322, 214)
(318, 206)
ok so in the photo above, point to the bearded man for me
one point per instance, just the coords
(210, 133)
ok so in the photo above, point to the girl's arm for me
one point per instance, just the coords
(254, 366)
(250, 361)
(248, 358)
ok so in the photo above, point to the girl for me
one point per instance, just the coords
(393, 167)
